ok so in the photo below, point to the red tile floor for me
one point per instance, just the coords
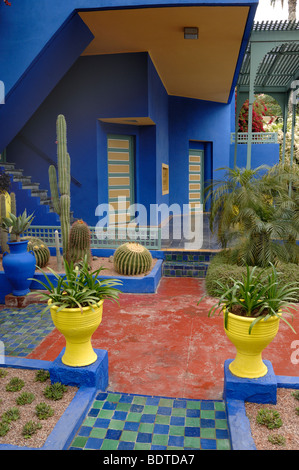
(164, 344)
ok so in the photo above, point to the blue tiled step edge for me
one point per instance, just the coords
(185, 269)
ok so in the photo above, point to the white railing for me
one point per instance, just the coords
(257, 137)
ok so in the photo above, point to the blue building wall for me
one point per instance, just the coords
(261, 154)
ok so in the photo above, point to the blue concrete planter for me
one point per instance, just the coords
(237, 391)
(134, 285)
(88, 379)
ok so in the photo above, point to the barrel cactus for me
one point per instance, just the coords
(40, 250)
(132, 259)
(79, 242)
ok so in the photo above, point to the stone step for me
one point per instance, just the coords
(185, 269)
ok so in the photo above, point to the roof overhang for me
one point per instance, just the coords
(203, 68)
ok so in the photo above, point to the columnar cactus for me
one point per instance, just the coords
(60, 191)
(131, 259)
(40, 250)
(79, 242)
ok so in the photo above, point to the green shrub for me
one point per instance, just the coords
(25, 398)
(3, 373)
(4, 428)
(42, 375)
(15, 384)
(43, 411)
(223, 271)
(269, 418)
(277, 439)
(55, 391)
(11, 415)
(30, 428)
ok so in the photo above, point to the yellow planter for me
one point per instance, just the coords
(248, 361)
(78, 327)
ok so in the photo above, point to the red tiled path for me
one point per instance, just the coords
(164, 344)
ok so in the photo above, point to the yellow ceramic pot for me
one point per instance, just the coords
(78, 327)
(248, 361)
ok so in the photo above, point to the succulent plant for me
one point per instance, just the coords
(132, 258)
(60, 191)
(17, 225)
(79, 242)
(40, 250)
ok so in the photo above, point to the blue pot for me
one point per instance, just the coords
(19, 266)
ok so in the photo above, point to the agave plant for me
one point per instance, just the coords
(17, 225)
(256, 214)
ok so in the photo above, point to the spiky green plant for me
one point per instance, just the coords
(17, 225)
(79, 242)
(60, 190)
(132, 259)
(3, 213)
(40, 250)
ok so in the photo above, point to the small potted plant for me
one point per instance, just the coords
(18, 264)
(253, 308)
(75, 300)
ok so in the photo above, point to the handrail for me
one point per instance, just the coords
(257, 137)
(43, 155)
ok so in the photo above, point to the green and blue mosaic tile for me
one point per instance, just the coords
(119, 421)
(21, 330)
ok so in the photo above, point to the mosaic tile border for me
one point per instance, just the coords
(120, 421)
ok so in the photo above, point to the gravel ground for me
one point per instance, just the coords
(286, 407)
(27, 412)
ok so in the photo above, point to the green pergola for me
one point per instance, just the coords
(270, 66)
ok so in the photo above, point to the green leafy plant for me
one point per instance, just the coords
(3, 373)
(269, 418)
(255, 214)
(256, 295)
(42, 375)
(4, 428)
(78, 288)
(13, 414)
(15, 384)
(25, 398)
(30, 428)
(297, 410)
(55, 391)
(277, 439)
(296, 394)
(17, 225)
(43, 411)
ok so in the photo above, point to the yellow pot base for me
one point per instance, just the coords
(79, 355)
(251, 367)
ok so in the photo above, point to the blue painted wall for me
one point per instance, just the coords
(261, 154)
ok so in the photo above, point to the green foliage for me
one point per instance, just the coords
(78, 288)
(17, 225)
(257, 294)
(79, 243)
(3, 373)
(221, 269)
(55, 391)
(132, 259)
(277, 439)
(30, 428)
(43, 411)
(255, 212)
(13, 414)
(296, 394)
(42, 375)
(25, 398)
(269, 418)
(15, 384)
(4, 428)
(60, 190)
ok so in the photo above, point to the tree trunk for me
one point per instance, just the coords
(292, 4)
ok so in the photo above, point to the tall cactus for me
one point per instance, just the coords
(60, 191)
(79, 242)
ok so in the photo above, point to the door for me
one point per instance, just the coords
(120, 177)
(196, 179)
